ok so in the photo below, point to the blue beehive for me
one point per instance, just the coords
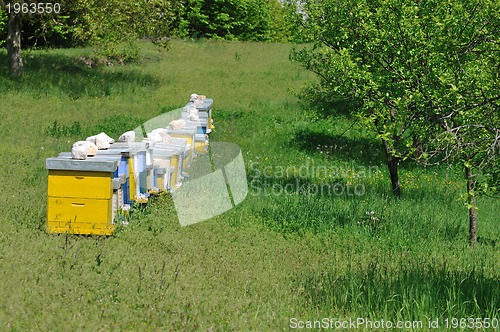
(135, 156)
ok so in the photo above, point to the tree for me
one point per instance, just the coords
(13, 41)
(111, 27)
(254, 20)
(395, 59)
(469, 136)
(421, 71)
(476, 147)
(14, 45)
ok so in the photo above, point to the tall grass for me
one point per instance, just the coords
(289, 250)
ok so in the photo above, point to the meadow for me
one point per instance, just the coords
(318, 236)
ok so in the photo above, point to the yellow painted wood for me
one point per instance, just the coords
(79, 229)
(210, 121)
(200, 147)
(77, 184)
(174, 162)
(79, 215)
(160, 183)
(131, 179)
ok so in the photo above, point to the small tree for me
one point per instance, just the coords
(472, 139)
(113, 27)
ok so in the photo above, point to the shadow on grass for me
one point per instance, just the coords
(298, 204)
(362, 150)
(326, 104)
(55, 74)
(406, 289)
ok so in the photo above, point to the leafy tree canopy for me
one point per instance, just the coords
(408, 63)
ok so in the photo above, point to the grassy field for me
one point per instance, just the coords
(318, 235)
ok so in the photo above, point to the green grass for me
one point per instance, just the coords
(302, 252)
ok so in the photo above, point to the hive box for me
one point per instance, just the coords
(205, 115)
(80, 195)
(135, 161)
(119, 179)
(169, 156)
(200, 138)
(188, 133)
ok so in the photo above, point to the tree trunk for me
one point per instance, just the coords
(471, 184)
(14, 45)
(393, 166)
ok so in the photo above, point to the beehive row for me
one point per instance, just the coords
(89, 196)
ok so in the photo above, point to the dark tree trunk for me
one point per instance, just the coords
(471, 184)
(14, 45)
(393, 166)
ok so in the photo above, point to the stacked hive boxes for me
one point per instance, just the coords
(86, 196)
(204, 125)
(80, 195)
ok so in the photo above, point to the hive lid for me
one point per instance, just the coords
(184, 131)
(206, 106)
(177, 141)
(200, 137)
(167, 152)
(91, 164)
(131, 148)
(174, 143)
(98, 156)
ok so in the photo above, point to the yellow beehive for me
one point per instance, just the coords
(80, 195)
(201, 146)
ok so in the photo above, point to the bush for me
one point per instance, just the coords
(3, 26)
(248, 20)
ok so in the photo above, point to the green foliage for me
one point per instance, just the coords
(3, 26)
(259, 20)
(281, 27)
(58, 130)
(409, 65)
(224, 19)
(114, 126)
(113, 27)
